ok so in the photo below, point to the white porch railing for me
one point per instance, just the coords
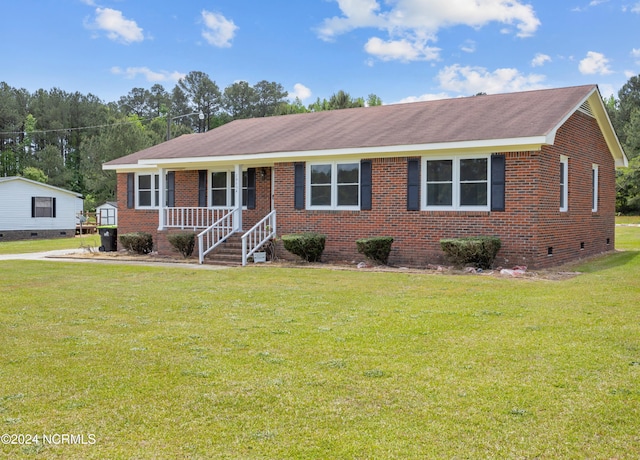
(261, 232)
(182, 217)
(216, 233)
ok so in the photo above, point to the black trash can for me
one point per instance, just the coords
(108, 238)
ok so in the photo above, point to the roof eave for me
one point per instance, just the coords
(476, 146)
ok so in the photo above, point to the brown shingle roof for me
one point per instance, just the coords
(478, 118)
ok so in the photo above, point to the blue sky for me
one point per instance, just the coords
(400, 50)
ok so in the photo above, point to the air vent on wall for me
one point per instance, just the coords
(586, 108)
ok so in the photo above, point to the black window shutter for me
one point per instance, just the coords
(33, 206)
(365, 185)
(53, 207)
(413, 184)
(251, 188)
(202, 188)
(497, 182)
(171, 189)
(131, 190)
(298, 185)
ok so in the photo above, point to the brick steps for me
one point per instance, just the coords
(228, 253)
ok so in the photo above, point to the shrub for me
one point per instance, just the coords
(309, 246)
(138, 242)
(479, 251)
(376, 248)
(183, 242)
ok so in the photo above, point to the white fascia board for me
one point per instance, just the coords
(486, 146)
(130, 167)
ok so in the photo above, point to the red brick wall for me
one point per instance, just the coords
(186, 194)
(530, 225)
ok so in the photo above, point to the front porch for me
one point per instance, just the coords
(205, 201)
(215, 226)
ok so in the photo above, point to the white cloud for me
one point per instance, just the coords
(117, 27)
(469, 46)
(424, 97)
(473, 80)
(411, 24)
(636, 8)
(540, 60)
(219, 30)
(594, 63)
(402, 50)
(635, 52)
(300, 91)
(148, 74)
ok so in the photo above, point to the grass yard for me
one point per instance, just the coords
(29, 246)
(274, 363)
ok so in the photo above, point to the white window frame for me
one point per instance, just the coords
(334, 186)
(595, 183)
(230, 187)
(155, 191)
(564, 184)
(455, 202)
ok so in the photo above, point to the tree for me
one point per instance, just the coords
(373, 100)
(203, 93)
(35, 174)
(159, 101)
(269, 97)
(117, 140)
(287, 108)
(625, 116)
(239, 100)
(137, 102)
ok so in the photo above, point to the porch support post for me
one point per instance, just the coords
(161, 197)
(237, 221)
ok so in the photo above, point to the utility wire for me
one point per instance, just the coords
(45, 131)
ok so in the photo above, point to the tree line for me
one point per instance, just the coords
(63, 138)
(624, 112)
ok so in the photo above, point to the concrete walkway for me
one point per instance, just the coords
(72, 255)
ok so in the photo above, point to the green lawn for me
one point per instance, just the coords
(29, 246)
(267, 362)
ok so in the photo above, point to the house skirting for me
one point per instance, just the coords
(16, 235)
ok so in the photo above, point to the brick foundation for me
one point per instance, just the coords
(15, 235)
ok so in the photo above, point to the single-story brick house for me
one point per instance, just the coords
(535, 168)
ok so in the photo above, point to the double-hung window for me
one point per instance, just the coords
(333, 186)
(564, 183)
(456, 183)
(223, 189)
(148, 191)
(594, 188)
